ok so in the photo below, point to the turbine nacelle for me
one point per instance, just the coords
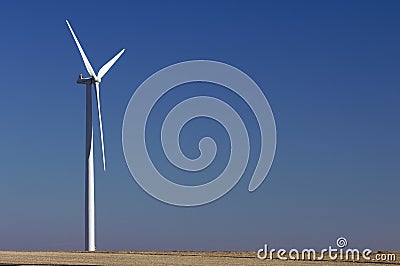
(82, 80)
(91, 80)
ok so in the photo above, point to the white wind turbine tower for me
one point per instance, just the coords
(89, 170)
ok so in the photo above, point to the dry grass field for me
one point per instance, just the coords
(155, 258)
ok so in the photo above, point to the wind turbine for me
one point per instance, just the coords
(89, 169)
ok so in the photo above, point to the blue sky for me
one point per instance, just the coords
(330, 71)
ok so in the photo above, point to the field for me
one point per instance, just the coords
(155, 258)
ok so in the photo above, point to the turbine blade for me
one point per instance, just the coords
(103, 70)
(101, 124)
(85, 60)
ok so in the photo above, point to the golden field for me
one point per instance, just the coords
(157, 258)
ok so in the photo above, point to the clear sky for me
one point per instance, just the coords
(331, 73)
